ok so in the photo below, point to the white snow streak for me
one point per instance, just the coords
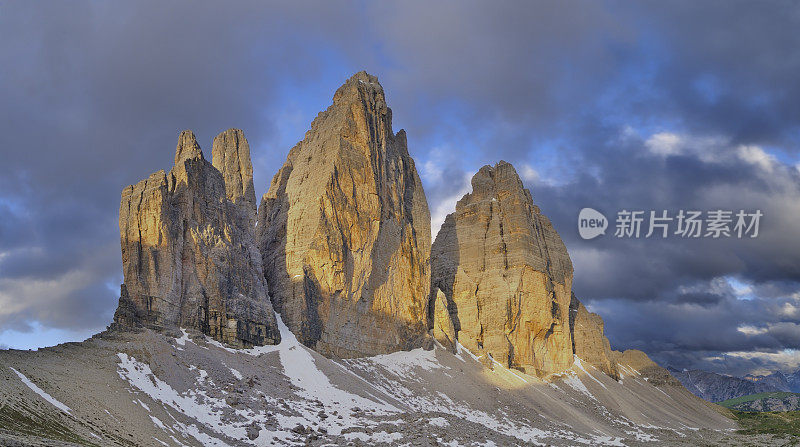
(52, 400)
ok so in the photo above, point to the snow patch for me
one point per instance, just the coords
(184, 338)
(194, 404)
(572, 379)
(53, 401)
(439, 422)
(236, 374)
(380, 436)
(403, 363)
(579, 364)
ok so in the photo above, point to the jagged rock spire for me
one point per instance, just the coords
(345, 231)
(230, 154)
(187, 147)
(588, 339)
(506, 275)
(189, 256)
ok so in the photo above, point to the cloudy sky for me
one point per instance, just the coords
(610, 105)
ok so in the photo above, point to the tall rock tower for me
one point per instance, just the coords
(188, 247)
(345, 231)
(506, 275)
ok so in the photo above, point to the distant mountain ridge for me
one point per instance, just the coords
(715, 387)
(779, 380)
(775, 401)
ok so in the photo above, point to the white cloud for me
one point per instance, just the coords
(788, 358)
(528, 173)
(440, 210)
(17, 295)
(710, 150)
(790, 310)
(431, 171)
(665, 143)
(756, 156)
(742, 290)
(752, 330)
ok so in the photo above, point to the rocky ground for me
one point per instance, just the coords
(147, 388)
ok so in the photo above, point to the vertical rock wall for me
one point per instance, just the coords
(188, 250)
(506, 274)
(588, 339)
(344, 231)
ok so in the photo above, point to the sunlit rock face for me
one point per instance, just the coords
(345, 231)
(188, 250)
(443, 329)
(506, 275)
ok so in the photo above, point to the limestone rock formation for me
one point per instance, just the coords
(588, 340)
(633, 361)
(506, 274)
(230, 154)
(188, 250)
(344, 231)
(443, 329)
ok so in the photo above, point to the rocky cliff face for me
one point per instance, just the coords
(344, 231)
(188, 250)
(230, 154)
(443, 329)
(506, 274)
(588, 339)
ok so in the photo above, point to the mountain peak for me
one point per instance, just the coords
(187, 147)
(496, 251)
(344, 231)
(361, 87)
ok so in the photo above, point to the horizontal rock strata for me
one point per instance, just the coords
(506, 274)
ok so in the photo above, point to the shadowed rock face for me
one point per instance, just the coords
(345, 231)
(588, 339)
(188, 251)
(506, 274)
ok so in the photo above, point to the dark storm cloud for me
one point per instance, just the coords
(613, 105)
(93, 96)
(583, 91)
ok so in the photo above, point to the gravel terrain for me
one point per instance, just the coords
(182, 389)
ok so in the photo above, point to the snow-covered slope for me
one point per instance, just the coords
(147, 389)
